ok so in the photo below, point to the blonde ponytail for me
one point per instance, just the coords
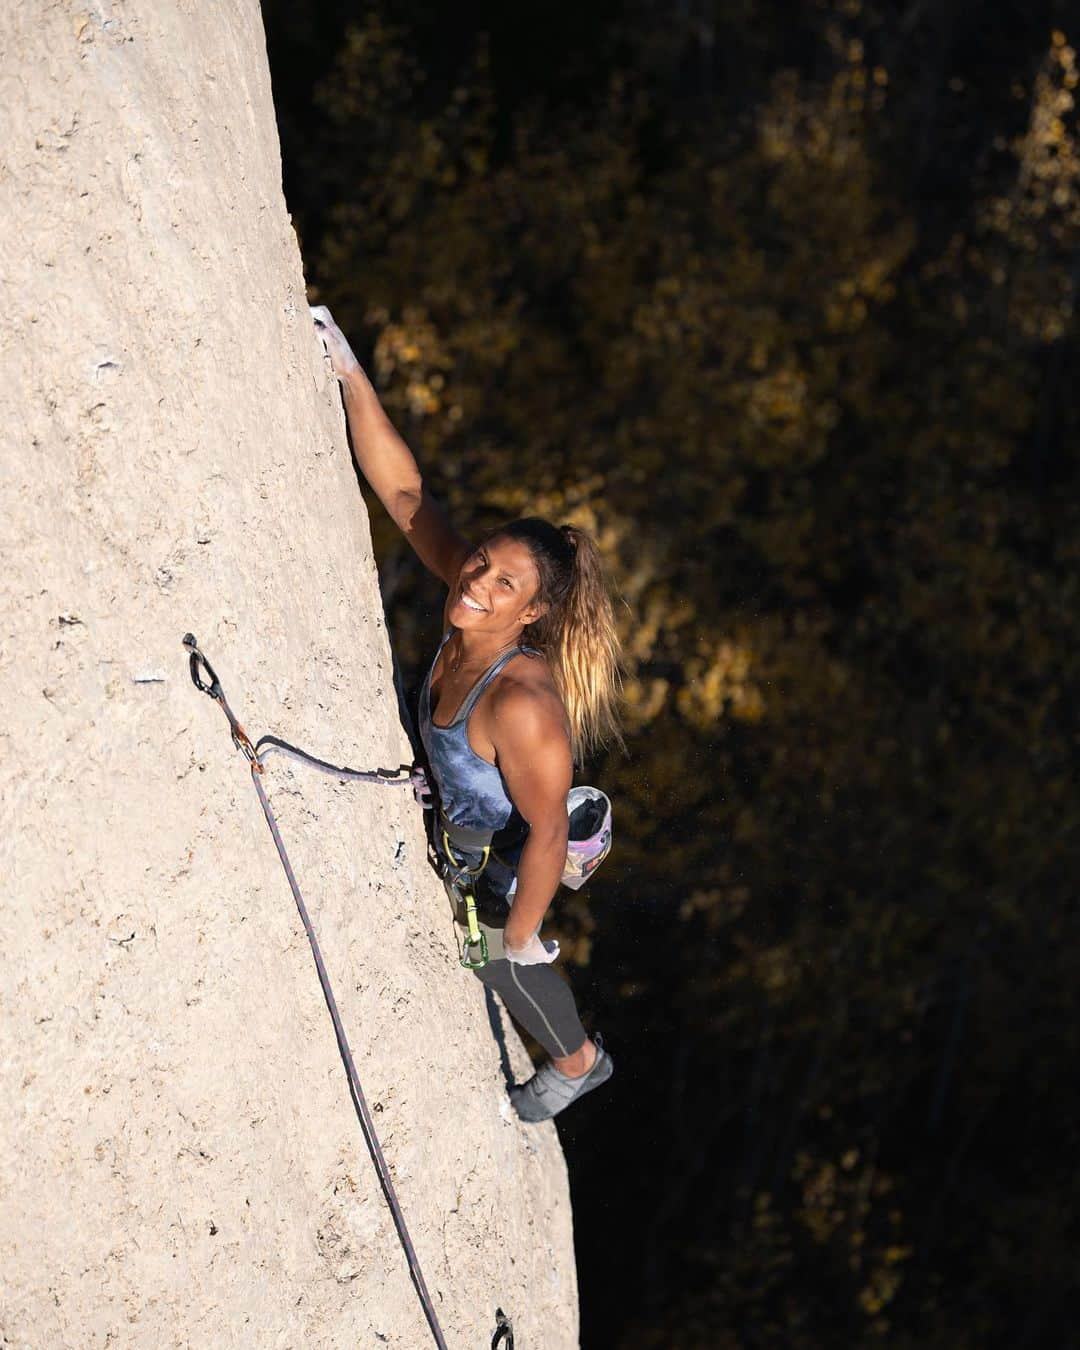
(577, 634)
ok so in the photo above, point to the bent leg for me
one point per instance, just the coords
(541, 1001)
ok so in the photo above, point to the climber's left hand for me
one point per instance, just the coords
(342, 357)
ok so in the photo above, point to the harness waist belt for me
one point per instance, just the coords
(461, 837)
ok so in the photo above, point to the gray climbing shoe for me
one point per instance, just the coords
(548, 1091)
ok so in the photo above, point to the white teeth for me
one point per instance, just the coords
(471, 604)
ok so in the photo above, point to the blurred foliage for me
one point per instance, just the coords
(780, 302)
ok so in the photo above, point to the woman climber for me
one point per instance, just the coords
(524, 682)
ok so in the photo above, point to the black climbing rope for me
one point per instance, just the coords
(403, 777)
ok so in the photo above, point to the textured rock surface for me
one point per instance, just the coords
(181, 1163)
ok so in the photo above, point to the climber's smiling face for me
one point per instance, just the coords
(496, 588)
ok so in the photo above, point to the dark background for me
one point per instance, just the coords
(780, 301)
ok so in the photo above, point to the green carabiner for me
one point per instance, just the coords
(468, 944)
(475, 937)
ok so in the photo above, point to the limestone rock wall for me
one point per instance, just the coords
(181, 1165)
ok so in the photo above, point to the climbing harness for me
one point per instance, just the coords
(589, 843)
(401, 777)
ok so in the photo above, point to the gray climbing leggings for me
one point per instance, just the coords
(540, 1000)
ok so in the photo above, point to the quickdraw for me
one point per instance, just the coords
(475, 937)
(198, 664)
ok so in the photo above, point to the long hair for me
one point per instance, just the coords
(577, 633)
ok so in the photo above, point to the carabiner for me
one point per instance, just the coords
(240, 737)
(504, 1331)
(474, 934)
(195, 658)
(469, 942)
(460, 869)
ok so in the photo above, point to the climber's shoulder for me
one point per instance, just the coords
(524, 705)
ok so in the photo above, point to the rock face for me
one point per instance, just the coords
(181, 1162)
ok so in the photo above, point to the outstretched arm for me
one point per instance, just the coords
(387, 462)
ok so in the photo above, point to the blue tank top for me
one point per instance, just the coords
(471, 791)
